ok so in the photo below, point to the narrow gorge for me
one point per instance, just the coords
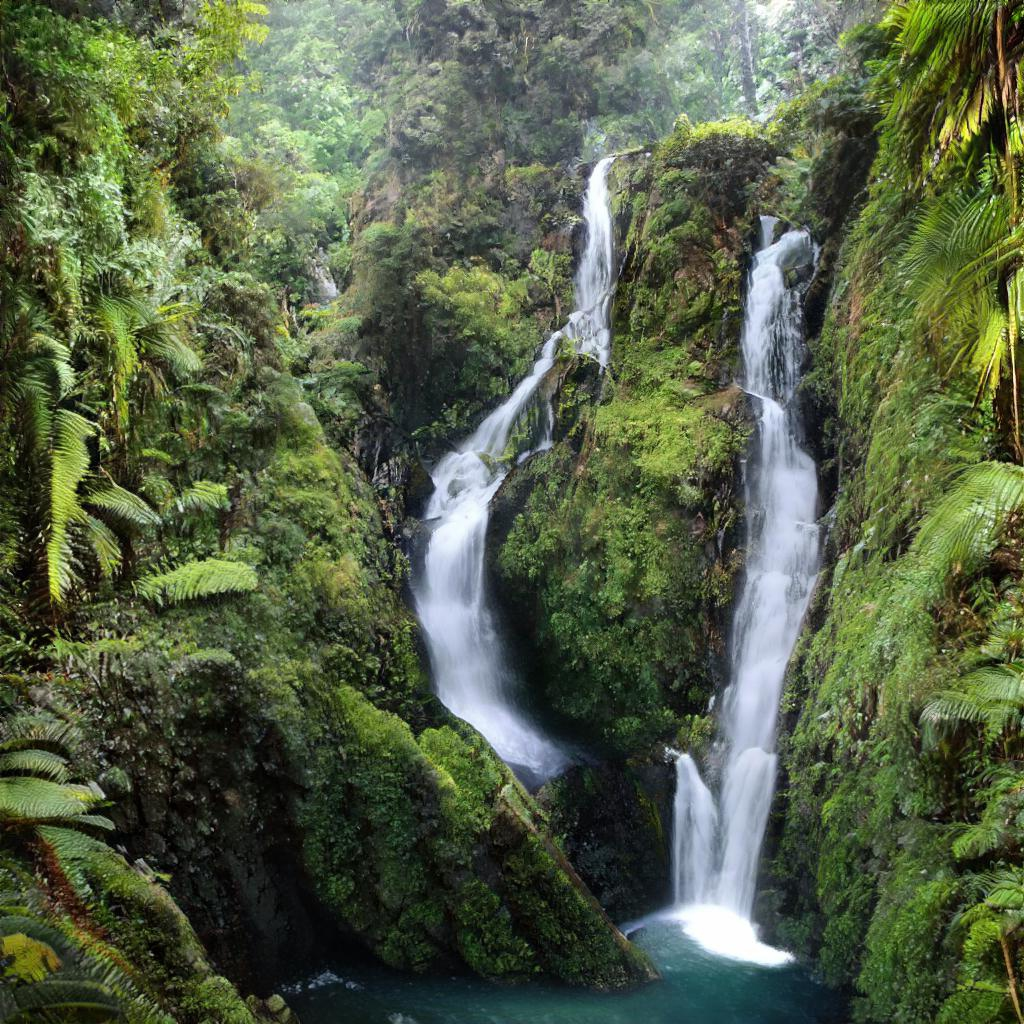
(717, 843)
(511, 511)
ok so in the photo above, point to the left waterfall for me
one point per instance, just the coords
(472, 674)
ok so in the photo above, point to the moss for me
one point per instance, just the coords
(565, 925)
(401, 833)
(486, 937)
(149, 932)
(215, 1001)
(612, 564)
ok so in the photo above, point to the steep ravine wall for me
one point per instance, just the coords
(864, 876)
(616, 552)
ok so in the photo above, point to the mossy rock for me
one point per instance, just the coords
(433, 854)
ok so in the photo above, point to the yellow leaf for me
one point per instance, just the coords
(26, 959)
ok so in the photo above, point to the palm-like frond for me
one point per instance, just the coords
(992, 697)
(955, 262)
(952, 87)
(202, 496)
(193, 580)
(29, 731)
(105, 545)
(128, 508)
(997, 831)
(69, 464)
(43, 764)
(943, 79)
(965, 526)
(31, 802)
(35, 793)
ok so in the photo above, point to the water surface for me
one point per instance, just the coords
(696, 988)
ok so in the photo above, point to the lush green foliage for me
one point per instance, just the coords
(902, 759)
(610, 558)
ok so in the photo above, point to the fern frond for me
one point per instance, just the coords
(74, 850)
(129, 508)
(992, 696)
(42, 763)
(182, 359)
(106, 547)
(979, 839)
(67, 1000)
(974, 1005)
(158, 455)
(199, 579)
(69, 464)
(34, 801)
(965, 526)
(24, 731)
(202, 496)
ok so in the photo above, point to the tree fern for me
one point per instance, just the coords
(134, 331)
(35, 794)
(69, 464)
(966, 525)
(30, 802)
(105, 545)
(193, 580)
(952, 84)
(29, 731)
(998, 831)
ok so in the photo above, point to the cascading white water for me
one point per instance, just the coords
(716, 877)
(471, 674)
(695, 824)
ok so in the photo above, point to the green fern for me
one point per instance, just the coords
(202, 496)
(128, 508)
(35, 795)
(69, 464)
(964, 528)
(992, 697)
(43, 764)
(194, 580)
(49, 977)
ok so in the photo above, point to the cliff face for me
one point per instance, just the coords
(872, 876)
(618, 556)
(615, 553)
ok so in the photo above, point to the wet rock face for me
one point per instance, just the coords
(616, 824)
(213, 802)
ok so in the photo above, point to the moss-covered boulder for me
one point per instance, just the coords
(433, 853)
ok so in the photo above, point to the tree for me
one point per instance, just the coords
(951, 82)
(746, 33)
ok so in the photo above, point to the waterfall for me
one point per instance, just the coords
(695, 822)
(471, 673)
(715, 878)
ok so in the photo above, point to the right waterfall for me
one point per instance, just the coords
(717, 842)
